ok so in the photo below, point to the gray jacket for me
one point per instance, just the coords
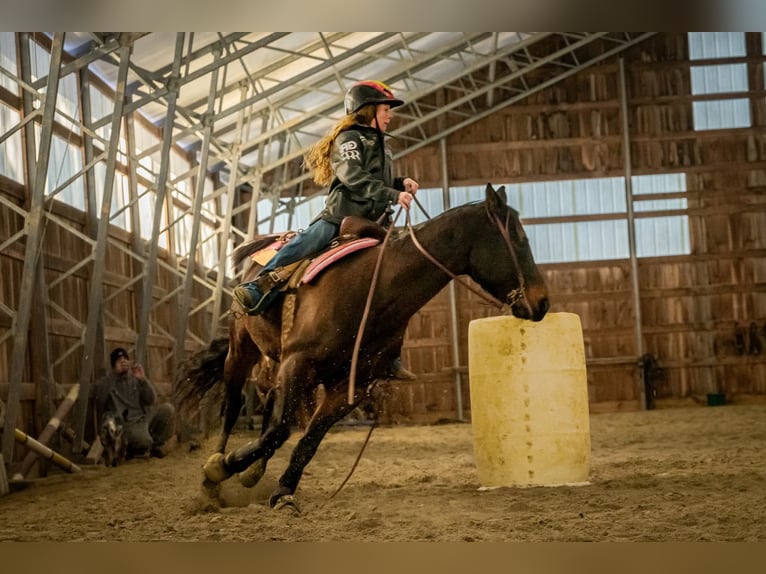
(124, 395)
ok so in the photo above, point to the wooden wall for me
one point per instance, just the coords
(704, 314)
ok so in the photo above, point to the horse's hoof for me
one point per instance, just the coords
(287, 502)
(252, 474)
(214, 469)
(210, 490)
(281, 493)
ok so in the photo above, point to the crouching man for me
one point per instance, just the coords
(127, 392)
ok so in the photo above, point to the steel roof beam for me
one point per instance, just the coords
(500, 105)
(96, 287)
(418, 66)
(94, 51)
(307, 118)
(266, 70)
(162, 92)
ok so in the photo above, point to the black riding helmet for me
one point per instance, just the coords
(369, 92)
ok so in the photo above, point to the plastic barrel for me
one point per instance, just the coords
(529, 401)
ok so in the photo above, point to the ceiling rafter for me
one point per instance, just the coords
(478, 73)
(460, 120)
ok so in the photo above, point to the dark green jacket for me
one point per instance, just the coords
(364, 183)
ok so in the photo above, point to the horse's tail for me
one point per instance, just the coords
(199, 374)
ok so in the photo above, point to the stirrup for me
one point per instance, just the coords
(262, 303)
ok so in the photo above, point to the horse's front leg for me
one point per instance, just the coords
(253, 474)
(333, 408)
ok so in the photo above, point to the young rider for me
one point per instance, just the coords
(357, 165)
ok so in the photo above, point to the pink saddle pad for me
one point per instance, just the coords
(327, 258)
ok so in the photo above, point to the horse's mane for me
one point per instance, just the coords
(404, 233)
(245, 250)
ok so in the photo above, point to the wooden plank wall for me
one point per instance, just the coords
(704, 314)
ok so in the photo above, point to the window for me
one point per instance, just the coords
(11, 158)
(719, 79)
(182, 227)
(268, 222)
(208, 237)
(763, 49)
(67, 103)
(582, 238)
(102, 108)
(597, 239)
(432, 201)
(665, 234)
(148, 163)
(8, 61)
(67, 99)
(146, 203)
(118, 214)
(303, 214)
(575, 240)
(65, 175)
(208, 245)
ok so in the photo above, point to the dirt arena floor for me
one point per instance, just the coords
(689, 474)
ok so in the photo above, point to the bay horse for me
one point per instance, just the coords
(484, 240)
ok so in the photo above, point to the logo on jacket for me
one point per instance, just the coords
(349, 150)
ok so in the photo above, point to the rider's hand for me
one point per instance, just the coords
(404, 199)
(410, 185)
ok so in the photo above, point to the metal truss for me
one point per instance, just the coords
(246, 107)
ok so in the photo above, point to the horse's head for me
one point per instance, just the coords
(502, 263)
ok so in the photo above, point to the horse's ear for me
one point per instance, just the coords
(496, 200)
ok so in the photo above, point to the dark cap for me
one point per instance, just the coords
(118, 353)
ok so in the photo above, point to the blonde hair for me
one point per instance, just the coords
(317, 159)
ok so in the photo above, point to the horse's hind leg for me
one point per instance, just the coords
(239, 362)
(333, 408)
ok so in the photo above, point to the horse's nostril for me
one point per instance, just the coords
(544, 306)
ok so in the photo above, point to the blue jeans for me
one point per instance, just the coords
(312, 240)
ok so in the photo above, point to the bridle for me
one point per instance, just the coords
(512, 297)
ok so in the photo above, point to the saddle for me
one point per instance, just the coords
(354, 234)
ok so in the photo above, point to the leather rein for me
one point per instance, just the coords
(512, 297)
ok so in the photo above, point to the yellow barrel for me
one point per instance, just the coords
(529, 401)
